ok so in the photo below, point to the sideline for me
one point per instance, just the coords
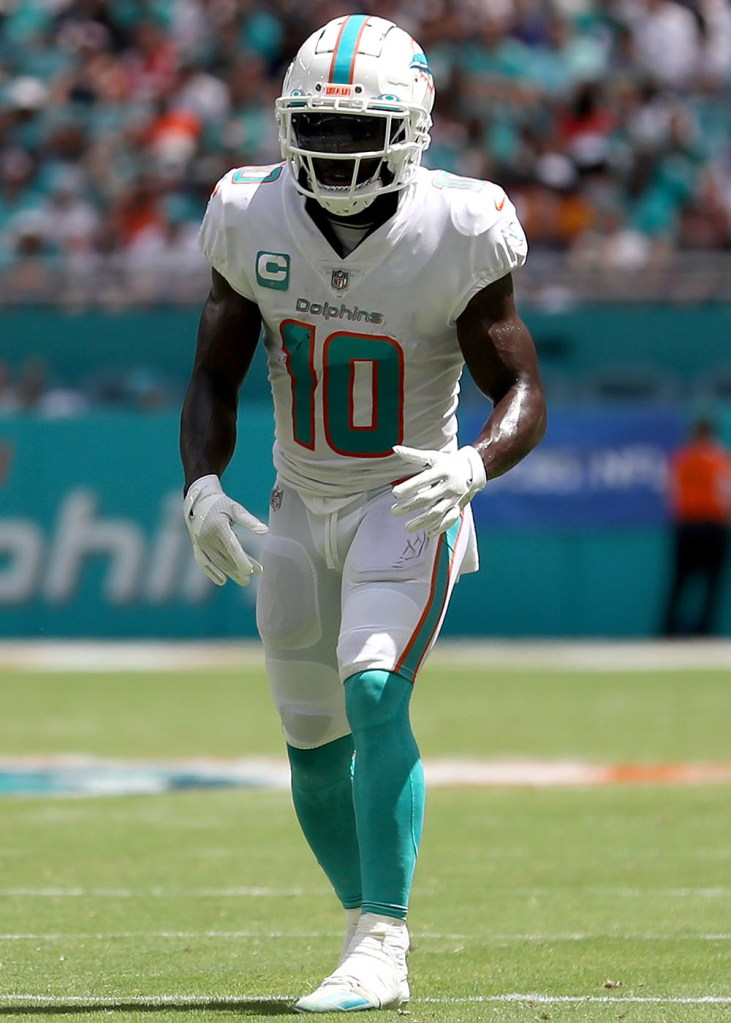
(578, 655)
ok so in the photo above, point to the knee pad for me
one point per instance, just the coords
(310, 700)
(375, 698)
(287, 606)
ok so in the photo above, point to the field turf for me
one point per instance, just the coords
(582, 903)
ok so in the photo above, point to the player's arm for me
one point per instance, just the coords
(501, 358)
(228, 334)
(500, 354)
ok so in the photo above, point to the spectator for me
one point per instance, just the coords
(666, 40)
(164, 260)
(33, 273)
(201, 93)
(9, 401)
(37, 394)
(71, 218)
(700, 506)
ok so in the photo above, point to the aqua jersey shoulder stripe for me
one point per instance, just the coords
(343, 62)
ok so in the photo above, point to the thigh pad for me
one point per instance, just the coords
(288, 614)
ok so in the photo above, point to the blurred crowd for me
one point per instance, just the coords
(33, 387)
(607, 120)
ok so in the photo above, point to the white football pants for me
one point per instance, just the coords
(344, 590)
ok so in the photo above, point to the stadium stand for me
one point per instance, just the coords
(606, 120)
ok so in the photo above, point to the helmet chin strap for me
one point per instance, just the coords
(334, 205)
(365, 221)
(337, 207)
(345, 208)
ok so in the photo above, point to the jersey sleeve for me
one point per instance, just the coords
(217, 241)
(496, 247)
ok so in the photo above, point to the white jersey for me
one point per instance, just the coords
(362, 349)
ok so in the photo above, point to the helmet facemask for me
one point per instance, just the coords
(344, 158)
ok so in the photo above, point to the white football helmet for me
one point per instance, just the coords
(355, 112)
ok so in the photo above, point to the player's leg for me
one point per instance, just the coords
(322, 794)
(712, 548)
(388, 788)
(682, 571)
(298, 616)
(396, 588)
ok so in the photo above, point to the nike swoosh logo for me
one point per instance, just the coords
(499, 205)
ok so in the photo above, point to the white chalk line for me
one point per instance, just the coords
(204, 1001)
(214, 935)
(629, 893)
(581, 999)
(75, 891)
(538, 939)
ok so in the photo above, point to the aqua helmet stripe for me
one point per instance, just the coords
(346, 47)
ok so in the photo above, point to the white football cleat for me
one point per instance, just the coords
(373, 974)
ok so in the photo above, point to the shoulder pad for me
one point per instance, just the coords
(238, 186)
(474, 205)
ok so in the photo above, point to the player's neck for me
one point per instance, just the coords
(361, 224)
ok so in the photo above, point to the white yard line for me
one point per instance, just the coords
(152, 893)
(581, 999)
(619, 891)
(205, 1001)
(538, 939)
(208, 935)
(604, 892)
(578, 655)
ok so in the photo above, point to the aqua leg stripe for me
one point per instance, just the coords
(418, 645)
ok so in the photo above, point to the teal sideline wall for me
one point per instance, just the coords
(681, 340)
(74, 491)
(125, 468)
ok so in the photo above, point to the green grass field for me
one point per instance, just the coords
(577, 903)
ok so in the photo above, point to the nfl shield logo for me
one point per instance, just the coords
(276, 499)
(339, 279)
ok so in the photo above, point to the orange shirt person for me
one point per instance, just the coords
(700, 503)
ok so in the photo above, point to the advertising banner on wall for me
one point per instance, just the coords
(596, 468)
(92, 536)
(93, 542)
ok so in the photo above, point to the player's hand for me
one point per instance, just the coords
(210, 516)
(448, 481)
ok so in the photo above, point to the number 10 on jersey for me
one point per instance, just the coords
(362, 394)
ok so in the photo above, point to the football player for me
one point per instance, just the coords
(374, 282)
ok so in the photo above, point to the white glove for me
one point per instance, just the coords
(448, 482)
(209, 516)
